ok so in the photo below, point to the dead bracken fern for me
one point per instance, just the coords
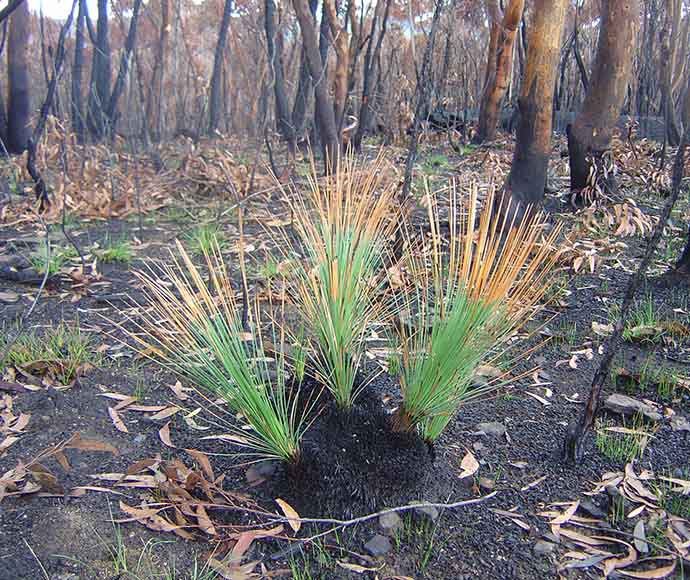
(467, 298)
(343, 222)
(195, 328)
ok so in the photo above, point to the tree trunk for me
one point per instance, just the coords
(301, 104)
(325, 113)
(371, 59)
(527, 177)
(216, 77)
(155, 92)
(274, 46)
(99, 93)
(683, 263)
(77, 104)
(340, 43)
(503, 31)
(19, 102)
(589, 138)
(124, 68)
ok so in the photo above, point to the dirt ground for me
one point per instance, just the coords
(74, 516)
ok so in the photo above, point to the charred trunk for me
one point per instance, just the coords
(19, 102)
(527, 177)
(589, 138)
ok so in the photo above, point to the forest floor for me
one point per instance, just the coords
(110, 468)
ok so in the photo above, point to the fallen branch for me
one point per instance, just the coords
(572, 449)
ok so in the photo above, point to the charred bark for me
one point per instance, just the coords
(216, 77)
(371, 59)
(124, 68)
(274, 46)
(589, 138)
(19, 102)
(99, 92)
(77, 102)
(326, 116)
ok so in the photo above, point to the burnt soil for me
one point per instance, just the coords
(351, 464)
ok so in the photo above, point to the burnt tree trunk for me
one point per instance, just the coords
(527, 177)
(340, 84)
(498, 69)
(301, 104)
(19, 101)
(119, 86)
(325, 113)
(371, 58)
(154, 100)
(77, 104)
(99, 92)
(274, 46)
(589, 138)
(216, 77)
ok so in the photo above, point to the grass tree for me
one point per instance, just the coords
(343, 222)
(467, 295)
(194, 326)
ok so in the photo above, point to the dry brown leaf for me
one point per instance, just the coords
(179, 391)
(566, 515)
(204, 521)
(469, 465)
(233, 570)
(663, 572)
(203, 460)
(533, 484)
(7, 442)
(164, 434)
(165, 413)
(356, 568)
(117, 421)
(79, 442)
(290, 513)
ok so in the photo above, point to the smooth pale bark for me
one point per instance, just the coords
(502, 40)
(589, 138)
(527, 177)
(19, 101)
(326, 116)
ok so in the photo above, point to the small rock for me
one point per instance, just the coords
(491, 429)
(624, 405)
(378, 545)
(612, 490)
(543, 548)
(428, 512)
(139, 439)
(477, 446)
(260, 472)
(487, 484)
(551, 538)
(593, 509)
(679, 423)
(390, 523)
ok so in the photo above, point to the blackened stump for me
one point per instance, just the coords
(352, 463)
